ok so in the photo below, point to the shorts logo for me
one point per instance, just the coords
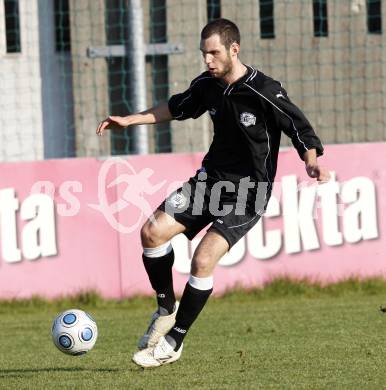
(177, 200)
(247, 119)
(212, 111)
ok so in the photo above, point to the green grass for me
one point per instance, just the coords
(287, 336)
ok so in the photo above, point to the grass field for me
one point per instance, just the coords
(286, 336)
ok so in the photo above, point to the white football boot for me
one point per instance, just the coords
(162, 353)
(159, 326)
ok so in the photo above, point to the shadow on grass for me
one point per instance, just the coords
(9, 372)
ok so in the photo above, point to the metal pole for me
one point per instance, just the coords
(136, 58)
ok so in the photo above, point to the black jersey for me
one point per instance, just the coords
(248, 117)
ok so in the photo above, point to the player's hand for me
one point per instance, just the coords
(317, 172)
(113, 123)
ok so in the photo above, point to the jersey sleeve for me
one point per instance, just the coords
(291, 120)
(188, 104)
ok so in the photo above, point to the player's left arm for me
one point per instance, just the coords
(291, 120)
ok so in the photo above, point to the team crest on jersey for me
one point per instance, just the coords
(247, 119)
(177, 200)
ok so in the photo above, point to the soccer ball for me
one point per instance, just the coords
(74, 332)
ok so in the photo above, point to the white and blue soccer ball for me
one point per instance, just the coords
(74, 332)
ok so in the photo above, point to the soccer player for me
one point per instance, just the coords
(249, 110)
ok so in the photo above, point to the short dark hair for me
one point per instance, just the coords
(227, 30)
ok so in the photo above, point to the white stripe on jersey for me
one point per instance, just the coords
(293, 124)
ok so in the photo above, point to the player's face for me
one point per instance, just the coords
(217, 58)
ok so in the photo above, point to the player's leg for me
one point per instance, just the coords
(199, 286)
(158, 259)
(197, 291)
(174, 215)
(158, 256)
(223, 234)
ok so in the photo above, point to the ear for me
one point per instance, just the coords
(235, 48)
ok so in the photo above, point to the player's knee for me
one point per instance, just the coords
(151, 236)
(201, 265)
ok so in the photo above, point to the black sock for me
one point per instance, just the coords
(159, 270)
(192, 302)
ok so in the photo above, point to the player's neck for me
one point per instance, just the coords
(238, 71)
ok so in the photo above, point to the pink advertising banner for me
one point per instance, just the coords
(73, 225)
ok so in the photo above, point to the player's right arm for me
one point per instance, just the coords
(157, 114)
(188, 104)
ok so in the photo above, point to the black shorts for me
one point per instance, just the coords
(203, 200)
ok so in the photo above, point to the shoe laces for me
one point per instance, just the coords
(164, 346)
